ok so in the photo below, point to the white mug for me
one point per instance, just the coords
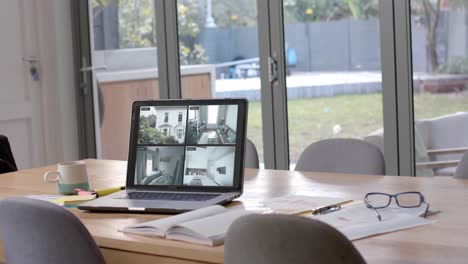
(69, 176)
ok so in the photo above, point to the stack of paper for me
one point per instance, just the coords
(357, 221)
(63, 200)
(206, 226)
(74, 199)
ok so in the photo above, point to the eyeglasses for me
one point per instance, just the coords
(376, 200)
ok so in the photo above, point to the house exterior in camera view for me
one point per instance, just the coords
(169, 122)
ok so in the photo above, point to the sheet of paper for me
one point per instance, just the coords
(358, 221)
(44, 197)
(295, 204)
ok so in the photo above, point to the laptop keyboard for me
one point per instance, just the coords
(198, 197)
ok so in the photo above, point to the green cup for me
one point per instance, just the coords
(69, 176)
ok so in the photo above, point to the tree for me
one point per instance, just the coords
(329, 10)
(430, 11)
(297, 11)
(240, 13)
(189, 24)
(148, 134)
(363, 9)
(137, 24)
(99, 6)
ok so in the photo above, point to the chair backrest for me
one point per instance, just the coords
(377, 140)
(462, 169)
(276, 239)
(40, 232)
(7, 161)
(342, 155)
(251, 155)
(443, 132)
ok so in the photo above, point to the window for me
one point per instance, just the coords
(327, 55)
(221, 38)
(440, 95)
(180, 133)
(165, 131)
(213, 114)
(331, 54)
(124, 41)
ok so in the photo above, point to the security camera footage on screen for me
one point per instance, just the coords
(186, 145)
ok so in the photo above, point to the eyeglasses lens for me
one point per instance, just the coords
(409, 199)
(378, 200)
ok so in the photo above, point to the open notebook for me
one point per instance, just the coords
(206, 226)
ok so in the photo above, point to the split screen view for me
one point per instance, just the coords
(186, 145)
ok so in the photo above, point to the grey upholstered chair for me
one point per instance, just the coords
(40, 232)
(278, 239)
(462, 170)
(251, 155)
(342, 155)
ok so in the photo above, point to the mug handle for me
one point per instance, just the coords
(56, 179)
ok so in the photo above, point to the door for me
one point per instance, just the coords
(333, 72)
(123, 67)
(440, 77)
(20, 111)
(219, 55)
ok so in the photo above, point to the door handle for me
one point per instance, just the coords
(30, 59)
(272, 70)
(84, 74)
(93, 68)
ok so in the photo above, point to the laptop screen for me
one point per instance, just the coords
(188, 145)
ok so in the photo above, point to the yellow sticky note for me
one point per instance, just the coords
(74, 199)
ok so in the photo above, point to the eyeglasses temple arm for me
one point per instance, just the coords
(427, 209)
(373, 209)
(377, 214)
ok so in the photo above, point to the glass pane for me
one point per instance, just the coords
(440, 76)
(218, 45)
(124, 54)
(334, 81)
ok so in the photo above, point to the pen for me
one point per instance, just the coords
(107, 191)
(312, 211)
(326, 209)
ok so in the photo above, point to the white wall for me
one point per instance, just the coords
(231, 117)
(225, 161)
(54, 33)
(196, 159)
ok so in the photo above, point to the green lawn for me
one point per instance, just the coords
(356, 115)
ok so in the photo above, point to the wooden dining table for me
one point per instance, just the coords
(445, 241)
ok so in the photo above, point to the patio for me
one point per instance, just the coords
(326, 84)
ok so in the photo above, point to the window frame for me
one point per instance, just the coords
(396, 50)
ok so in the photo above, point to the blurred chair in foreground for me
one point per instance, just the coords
(278, 239)
(40, 232)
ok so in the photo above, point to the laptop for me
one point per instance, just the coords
(183, 155)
